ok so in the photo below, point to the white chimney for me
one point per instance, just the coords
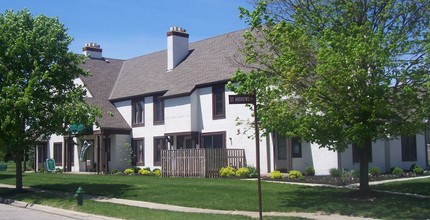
(92, 50)
(177, 46)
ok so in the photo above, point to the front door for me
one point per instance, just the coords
(282, 147)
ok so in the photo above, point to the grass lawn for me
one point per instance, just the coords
(231, 194)
(115, 210)
(419, 186)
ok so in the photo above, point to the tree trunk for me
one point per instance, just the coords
(18, 171)
(364, 167)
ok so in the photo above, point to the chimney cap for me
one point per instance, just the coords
(178, 29)
(93, 45)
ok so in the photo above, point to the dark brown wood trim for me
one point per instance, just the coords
(176, 33)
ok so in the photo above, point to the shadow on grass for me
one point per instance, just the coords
(345, 202)
(7, 176)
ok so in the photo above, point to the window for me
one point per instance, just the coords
(160, 143)
(356, 152)
(138, 152)
(138, 112)
(58, 153)
(185, 142)
(282, 148)
(218, 102)
(409, 148)
(296, 147)
(158, 110)
(213, 140)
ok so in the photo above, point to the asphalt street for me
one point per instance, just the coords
(37, 212)
(17, 213)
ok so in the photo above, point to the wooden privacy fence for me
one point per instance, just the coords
(199, 162)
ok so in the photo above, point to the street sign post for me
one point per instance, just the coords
(251, 99)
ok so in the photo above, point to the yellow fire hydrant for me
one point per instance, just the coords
(80, 196)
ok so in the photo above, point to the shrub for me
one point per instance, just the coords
(58, 170)
(334, 172)
(129, 171)
(276, 174)
(136, 169)
(295, 174)
(418, 170)
(252, 171)
(243, 172)
(156, 172)
(115, 171)
(356, 173)
(227, 171)
(147, 168)
(398, 172)
(310, 171)
(145, 172)
(375, 171)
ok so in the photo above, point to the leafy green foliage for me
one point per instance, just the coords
(338, 72)
(243, 172)
(145, 172)
(38, 97)
(418, 170)
(129, 171)
(156, 172)
(227, 171)
(310, 171)
(398, 171)
(334, 172)
(276, 174)
(375, 171)
(295, 174)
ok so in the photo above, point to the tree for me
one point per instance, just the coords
(338, 72)
(37, 94)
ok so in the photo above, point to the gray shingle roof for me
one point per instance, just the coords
(100, 84)
(211, 60)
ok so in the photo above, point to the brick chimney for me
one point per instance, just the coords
(92, 50)
(177, 46)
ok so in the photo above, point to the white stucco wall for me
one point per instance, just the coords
(323, 159)
(118, 152)
(124, 107)
(177, 114)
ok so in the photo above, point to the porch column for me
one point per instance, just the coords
(36, 158)
(98, 154)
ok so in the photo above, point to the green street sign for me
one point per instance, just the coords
(79, 129)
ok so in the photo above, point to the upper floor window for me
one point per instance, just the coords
(158, 110)
(138, 112)
(218, 102)
(409, 148)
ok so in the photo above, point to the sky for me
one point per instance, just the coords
(129, 28)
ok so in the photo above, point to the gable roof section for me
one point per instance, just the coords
(100, 84)
(209, 61)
